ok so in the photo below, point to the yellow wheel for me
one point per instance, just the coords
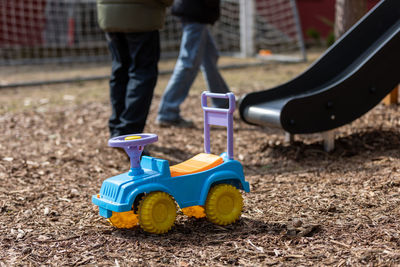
(126, 219)
(224, 204)
(194, 211)
(157, 213)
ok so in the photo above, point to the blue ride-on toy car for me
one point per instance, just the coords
(206, 185)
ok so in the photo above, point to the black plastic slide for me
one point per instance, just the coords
(348, 80)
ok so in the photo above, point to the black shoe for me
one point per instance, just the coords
(180, 123)
(114, 134)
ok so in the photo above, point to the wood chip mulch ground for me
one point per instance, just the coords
(306, 206)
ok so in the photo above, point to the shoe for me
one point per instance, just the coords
(180, 123)
(114, 135)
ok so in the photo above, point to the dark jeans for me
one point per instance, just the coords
(134, 75)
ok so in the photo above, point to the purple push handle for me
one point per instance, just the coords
(220, 117)
(133, 147)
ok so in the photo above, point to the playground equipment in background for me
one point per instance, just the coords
(206, 185)
(348, 80)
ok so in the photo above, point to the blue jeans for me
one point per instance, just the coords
(134, 75)
(197, 50)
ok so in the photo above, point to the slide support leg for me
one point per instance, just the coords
(329, 140)
(289, 138)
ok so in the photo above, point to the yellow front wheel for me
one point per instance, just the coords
(157, 213)
(224, 204)
(126, 219)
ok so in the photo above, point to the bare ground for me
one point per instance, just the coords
(306, 206)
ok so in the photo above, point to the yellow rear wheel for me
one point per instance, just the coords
(157, 213)
(194, 211)
(224, 204)
(126, 219)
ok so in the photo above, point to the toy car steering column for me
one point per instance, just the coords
(133, 146)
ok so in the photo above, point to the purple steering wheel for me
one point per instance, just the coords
(133, 145)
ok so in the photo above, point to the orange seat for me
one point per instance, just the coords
(200, 162)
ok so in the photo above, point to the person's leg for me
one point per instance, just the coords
(119, 78)
(209, 68)
(144, 51)
(185, 71)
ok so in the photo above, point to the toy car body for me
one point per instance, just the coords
(119, 193)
